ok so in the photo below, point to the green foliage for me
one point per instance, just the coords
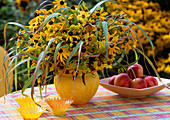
(11, 13)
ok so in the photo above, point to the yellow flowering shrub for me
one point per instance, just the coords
(154, 21)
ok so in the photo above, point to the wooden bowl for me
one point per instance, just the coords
(132, 92)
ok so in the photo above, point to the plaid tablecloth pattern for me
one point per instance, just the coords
(104, 105)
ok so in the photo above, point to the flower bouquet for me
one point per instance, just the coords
(72, 40)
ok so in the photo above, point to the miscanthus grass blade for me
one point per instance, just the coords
(12, 23)
(55, 54)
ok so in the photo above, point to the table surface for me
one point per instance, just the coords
(104, 105)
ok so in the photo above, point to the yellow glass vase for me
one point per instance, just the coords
(82, 93)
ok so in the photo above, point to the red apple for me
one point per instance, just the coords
(111, 80)
(135, 71)
(138, 83)
(122, 80)
(151, 81)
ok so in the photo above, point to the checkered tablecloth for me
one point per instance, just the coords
(104, 105)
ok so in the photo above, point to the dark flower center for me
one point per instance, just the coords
(111, 38)
(68, 42)
(99, 64)
(108, 62)
(35, 29)
(70, 33)
(98, 14)
(32, 44)
(90, 39)
(83, 50)
(36, 41)
(61, 67)
(126, 40)
(74, 39)
(61, 3)
(31, 36)
(110, 56)
(86, 10)
(83, 16)
(72, 7)
(74, 44)
(36, 14)
(63, 38)
(51, 22)
(64, 31)
(60, 51)
(48, 8)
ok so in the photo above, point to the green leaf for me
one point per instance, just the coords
(98, 4)
(17, 24)
(125, 66)
(56, 52)
(60, 10)
(79, 55)
(40, 91)
(43, 4)
(136, 55)
(6, 74)
(48, 46)
(29, 55)
(27, 69)
(124, 33)
(106, 38)
(29, 81)
(28, 66)
(9, 85)
(64, 46)
(36, 71)
(73, 52)
(23, 61)
(44, 55)
(124, 53)
(119, 60)
(143, 33)
(16, 60)
(52, 16)
(7, 57)
(40, 57)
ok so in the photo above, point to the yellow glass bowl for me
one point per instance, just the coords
(22, 101)
(30, 112)
(59, 106)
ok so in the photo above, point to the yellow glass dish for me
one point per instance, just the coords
(59, 106)
(30, 112)
(22, 101)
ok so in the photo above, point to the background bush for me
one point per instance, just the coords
(155, 22)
